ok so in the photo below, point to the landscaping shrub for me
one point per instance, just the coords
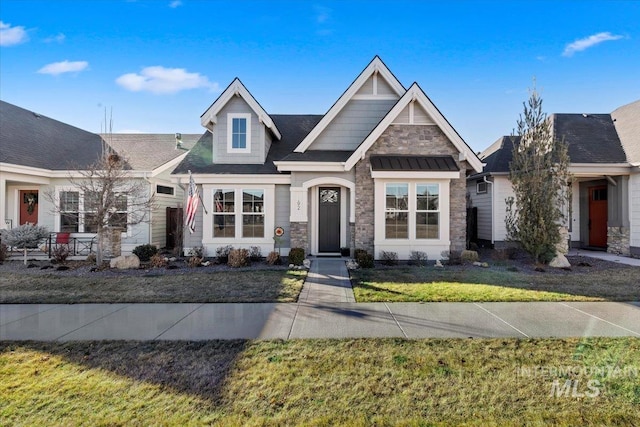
(418, 258)
(469, 256)
(274, 258)
(3, 253)
(255, 253)
(194, 261)
(145, 252)
(364, 258)
(389, 258)
(222, 254)
(158, 261)
(60, 254)
(238, 258)
(296, 256)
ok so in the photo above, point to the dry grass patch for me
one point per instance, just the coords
(222, 286)
(469, 283)
(319, 382)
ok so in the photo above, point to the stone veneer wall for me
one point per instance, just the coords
(423, 140)
(299, 233)
(618, 240)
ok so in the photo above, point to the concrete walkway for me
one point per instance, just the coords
(326, 309)
(605, 256)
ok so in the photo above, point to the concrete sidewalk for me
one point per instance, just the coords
(620, 259)
(326, 309)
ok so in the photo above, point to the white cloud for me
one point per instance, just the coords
(58, 38)
(161, 80)
(322, 14)
(587, 42)
(175, 3)
(10, 36)
(56, 68)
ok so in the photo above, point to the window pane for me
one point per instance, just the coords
(427, 197)
(252, 225)
(427, 225)
(69, 201)
(252, 201)
(121, 203)
(239, 133)
(69, 222)
(223, 200)
(118, 220)
(397, 225)
(163, 189)
(224, 225)
(91, 201)
(397, 196)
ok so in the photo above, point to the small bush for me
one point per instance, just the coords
(469, 256)
(194, 262)
(296, 256)
(238, 258)
(274, 258)
(158, 261)
(60, 254)
(255, 253)
(91, 258)
(418, 258)
(197, 251)
(3, 252)
(145, 252)
(222, 254)
(451, 258)
(389, 258)
(364, 259)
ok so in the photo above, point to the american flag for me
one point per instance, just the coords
(192, 205)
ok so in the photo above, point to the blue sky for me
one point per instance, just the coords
(158, 64)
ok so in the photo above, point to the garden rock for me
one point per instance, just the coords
(125, 262)
(560, 261)
(306, 263)
(439, 264)
(352, 264)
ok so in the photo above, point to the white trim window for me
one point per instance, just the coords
(396, 212)
(69, 211)
(224, 216)
(239, 133)
(253, 213)
(427, 211)
(77, 211)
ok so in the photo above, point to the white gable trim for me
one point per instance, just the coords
(236, 88)
(416, 94)
(376, 67)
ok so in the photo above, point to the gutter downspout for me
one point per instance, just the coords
(493, 201)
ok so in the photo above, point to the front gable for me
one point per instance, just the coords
(365, 102)
(242, 130)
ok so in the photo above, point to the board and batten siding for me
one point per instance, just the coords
(501, 191)
(352, 125)
(257, 154)
(159, 215)
(483, 203)
(282, 214)
(634, 212)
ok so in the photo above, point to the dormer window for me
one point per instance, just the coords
(239, 133)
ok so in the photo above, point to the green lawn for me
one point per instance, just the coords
(221, 286)
(465, 284)
(322, 382)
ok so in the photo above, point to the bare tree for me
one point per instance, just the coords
(540, 177)
(112, 196)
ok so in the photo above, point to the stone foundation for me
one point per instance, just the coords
(618, 240)
(299, 233)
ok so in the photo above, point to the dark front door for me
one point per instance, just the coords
(329, 220)
(598, 216)
(28, 206)
(174, 227)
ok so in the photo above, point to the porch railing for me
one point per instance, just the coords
(77, 245)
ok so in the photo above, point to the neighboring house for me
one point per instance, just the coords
(382, 170)
(38, 155)
(605, 207)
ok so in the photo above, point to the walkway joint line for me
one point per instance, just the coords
(396, 320)
(599, 318)
(91, 323)
(178, 321)
(501, 319)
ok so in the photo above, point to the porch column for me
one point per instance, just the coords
(3, 203)
(299, 221)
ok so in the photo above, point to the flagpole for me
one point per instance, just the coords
(204, 208)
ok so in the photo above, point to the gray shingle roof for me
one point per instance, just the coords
(591, 138)
(413, 163)
(30, 139)
(626, 119)
(319, 156)
(150, 151)
(292, 127)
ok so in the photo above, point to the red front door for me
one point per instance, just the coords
(28, 200)
(598, 216)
